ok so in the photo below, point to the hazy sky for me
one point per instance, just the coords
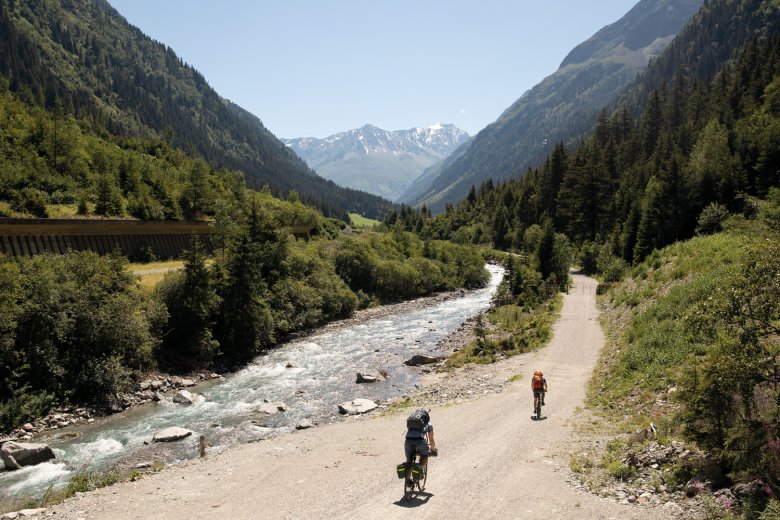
(312, 68)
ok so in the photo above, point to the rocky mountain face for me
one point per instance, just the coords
(378, 161)
(563, 107)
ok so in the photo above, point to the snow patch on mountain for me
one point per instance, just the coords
(376, 160)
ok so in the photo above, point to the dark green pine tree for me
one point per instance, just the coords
(650, 230)
(246, 324)
(552, 174)
(197, 197)
(500, 228)
(191, 306)
(109, 200)
(546, 253)
(651, 124)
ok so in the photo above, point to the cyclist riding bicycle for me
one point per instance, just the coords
(538, 387)
(415, 442)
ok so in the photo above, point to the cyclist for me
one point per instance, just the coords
(415, 443)
(538, 387)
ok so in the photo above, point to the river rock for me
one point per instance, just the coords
(304, 425)
(421, 359)
(173, 433)
(187, 382)
(267, 409)
(747, 489)
(357, 406)
(16, 455)
(146, 395)
(183, 397)
(369, 376)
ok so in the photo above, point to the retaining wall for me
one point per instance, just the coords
(135, 238)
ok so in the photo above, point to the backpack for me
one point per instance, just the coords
(538, 380)
(418, 419)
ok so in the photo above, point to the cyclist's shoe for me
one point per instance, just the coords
(542, 403)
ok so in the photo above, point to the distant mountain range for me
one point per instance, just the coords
(563, 107)
(84, 58)
(378, 161)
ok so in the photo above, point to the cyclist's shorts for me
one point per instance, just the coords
(416, 445)
(539, 394)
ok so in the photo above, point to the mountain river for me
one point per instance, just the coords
(322, 376)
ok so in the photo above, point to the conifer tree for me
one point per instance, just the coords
(109, 201)
(192, 304)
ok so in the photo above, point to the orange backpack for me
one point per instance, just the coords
(538, 381)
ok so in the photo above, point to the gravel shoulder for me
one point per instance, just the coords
(494, 462)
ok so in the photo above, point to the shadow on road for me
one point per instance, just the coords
(542, 418)
(418, 500)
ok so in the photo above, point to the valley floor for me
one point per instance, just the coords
(494, 462)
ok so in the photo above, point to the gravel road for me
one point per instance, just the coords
(494, 462)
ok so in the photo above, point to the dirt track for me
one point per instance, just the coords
(495, 462)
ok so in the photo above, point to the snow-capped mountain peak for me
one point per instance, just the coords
(413, 150)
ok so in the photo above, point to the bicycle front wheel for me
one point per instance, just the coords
(422, 481)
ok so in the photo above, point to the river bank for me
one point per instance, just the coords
(311, 374)
(311, 473)
(156, 384)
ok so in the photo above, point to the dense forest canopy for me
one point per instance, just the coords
(82, 59)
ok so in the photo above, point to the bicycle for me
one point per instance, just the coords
(416, 476)
(538, 396)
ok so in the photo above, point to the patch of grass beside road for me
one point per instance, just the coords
(512, 330)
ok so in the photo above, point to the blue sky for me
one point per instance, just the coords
(314, 68)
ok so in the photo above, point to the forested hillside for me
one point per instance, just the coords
(81, 58)
(563, 105)
(642, 183)
(52, 166)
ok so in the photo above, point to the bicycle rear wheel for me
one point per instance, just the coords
(408, 489)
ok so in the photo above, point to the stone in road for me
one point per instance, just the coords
(494, 462)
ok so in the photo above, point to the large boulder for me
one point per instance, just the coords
(357, 406)
(183, 397)
(16, 455)
(171, 434)
(421, 359)
(369, 376)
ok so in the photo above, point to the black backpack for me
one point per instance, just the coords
(418, 419)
